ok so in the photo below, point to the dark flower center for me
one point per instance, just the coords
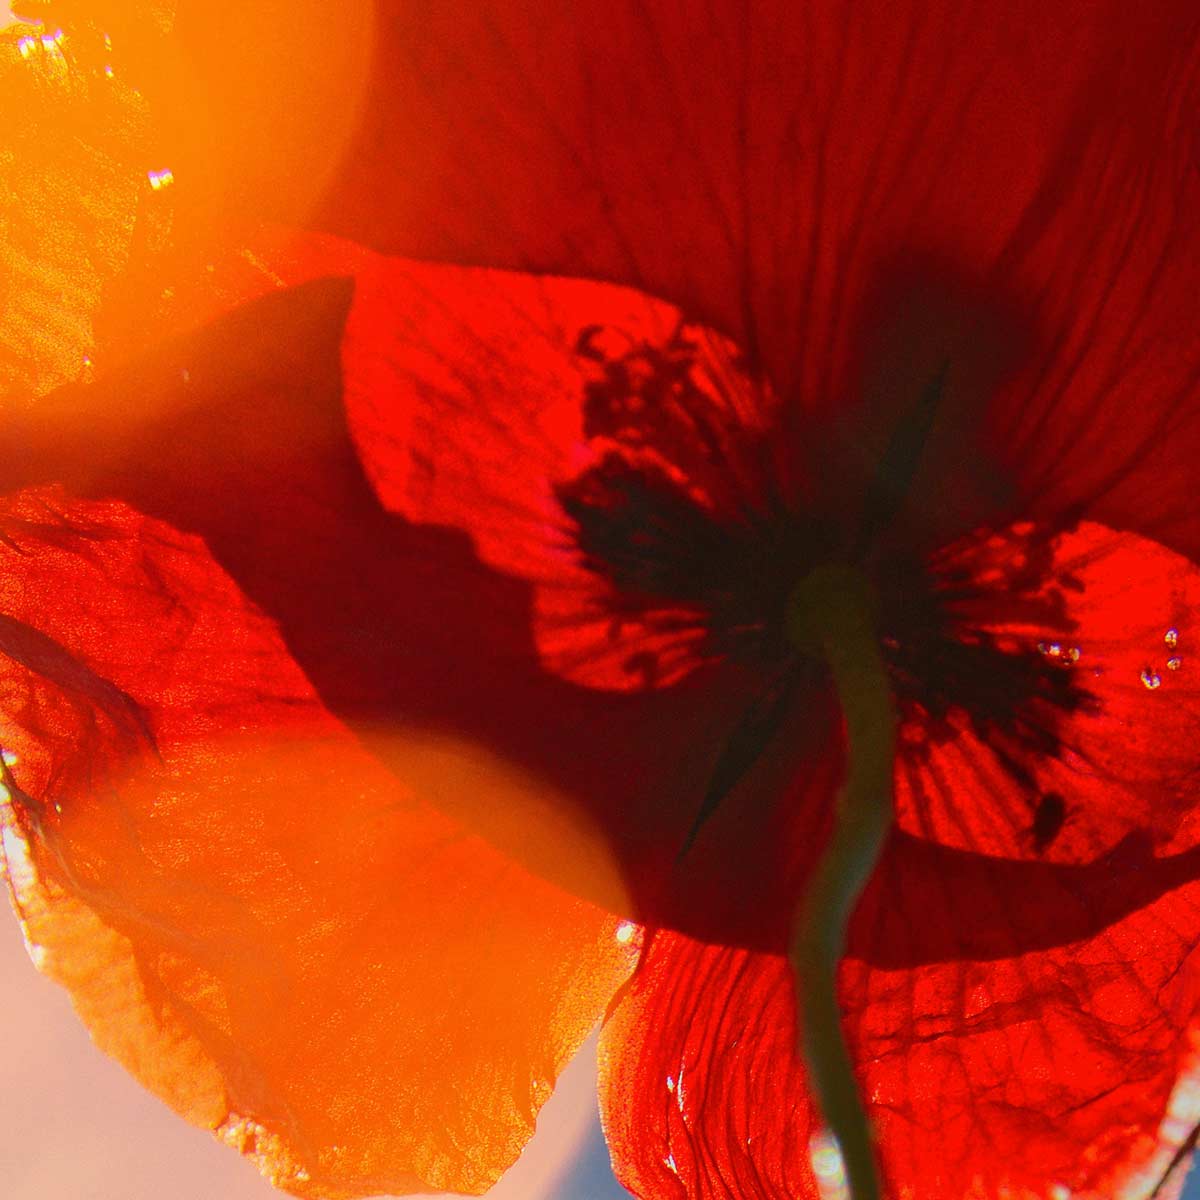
(685, 517)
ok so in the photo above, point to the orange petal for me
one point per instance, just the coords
(77, 208)
(266, 927)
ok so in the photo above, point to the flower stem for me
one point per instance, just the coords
(832, 613)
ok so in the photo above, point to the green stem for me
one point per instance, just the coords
(832, 612)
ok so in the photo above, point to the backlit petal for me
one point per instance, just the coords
(77, 209)
(378, 546)
(776, 168)
(1109, 616)
(267, 927)
(1026, 1070)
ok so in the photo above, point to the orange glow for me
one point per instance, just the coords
(69, 206)
(264, 102)
(329, 975)
(233, 118)
(110, 1140)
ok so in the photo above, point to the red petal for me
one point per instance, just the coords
(468, 394)
(1032, 1069)
(1045, 178)
(441, 622)
(805, 180)
(699, 1092)
(764, 167)
(1103, 418)
(1026, 1026)
(270, 930)
(1115, 614)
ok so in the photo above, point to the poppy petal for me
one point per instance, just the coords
(378, 545)
(267, 927)
(1107, 748)
(77, 209)
(704, 1021)
(1101, 420)
(1029, 1025)
(758, 165)
(1030, 1067)
(518, 390)
(474, 398)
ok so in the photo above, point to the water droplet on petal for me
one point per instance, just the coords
(1171, 637)
(1065, 656)
(625, 932)
(160, 179)
(1174, 662)
(1151, 679)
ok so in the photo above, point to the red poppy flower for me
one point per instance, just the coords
(374, 637)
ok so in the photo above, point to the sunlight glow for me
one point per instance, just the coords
(828, 1166)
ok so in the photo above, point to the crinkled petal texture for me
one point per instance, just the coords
(241, 757)
(374, 454)
(77, 210)
(267, 927)
(1000, 1054)
(1104, 748)
(855, 196)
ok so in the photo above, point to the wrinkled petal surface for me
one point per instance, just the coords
(269, 929)
(315, 439)
(1023, 1070)
(77, 210)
